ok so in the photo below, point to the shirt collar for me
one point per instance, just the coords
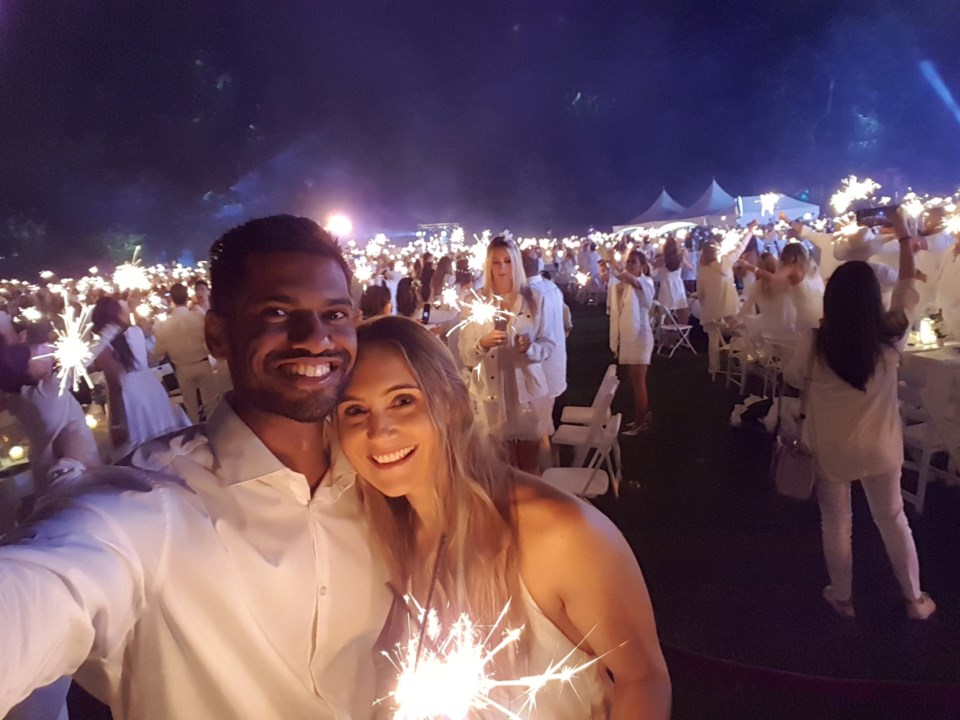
(242, 456)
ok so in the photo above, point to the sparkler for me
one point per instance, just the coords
(852, 190)
(449, 297)
(132, 275)
(582, 278)
(768, 203)
(73, 350)
(452, 676)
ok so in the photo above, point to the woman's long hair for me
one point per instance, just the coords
(106, 311)
(642, 258)
(795, 254)
(709, 254)
(408, 299)
(479, 571)
(520, 285)
(444, 268)
(671, 254)
(856, 327)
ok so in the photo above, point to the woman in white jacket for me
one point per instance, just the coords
(853, 422)
(631, 338)
(508, 380)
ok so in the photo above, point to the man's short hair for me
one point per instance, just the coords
(198, 283)
(179, 294)
(262, 236)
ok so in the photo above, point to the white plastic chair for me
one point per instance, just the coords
(581, 415)
(668, 325)
(920, 438)
(590, 480)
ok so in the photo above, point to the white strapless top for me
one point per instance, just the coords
(584, 697)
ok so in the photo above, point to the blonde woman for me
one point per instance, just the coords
(457, 525)
(509, 383)
(798, 276)
(776, 311)
(631, 337)
(717, 294)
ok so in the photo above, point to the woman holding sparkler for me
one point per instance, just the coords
(800, 279)
(140, 409)
(716, 291)
(631, 338)
(462, 532)
(510, 385)
(672, 294)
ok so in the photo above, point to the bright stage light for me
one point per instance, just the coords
(339, 225)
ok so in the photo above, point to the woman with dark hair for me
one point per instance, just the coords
(670, 266)
(853, 421)
(138, 404)
(463, 532)
(408, 300)
(443, 277)
(375, 301)
(631, 338)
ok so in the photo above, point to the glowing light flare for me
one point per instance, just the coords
(851, 190)
(582, 278)
(16, 453)
(31, 314)
(339, 225)
(449, 297)
(363, 273)
(132, 275)
(72, 349)
(768, 203)
(452, 676)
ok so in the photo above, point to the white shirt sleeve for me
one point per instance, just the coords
(73, 587)
(547, 335)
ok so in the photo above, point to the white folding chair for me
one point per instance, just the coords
(920, 442)
(581, 415)
(668, 325)
(599, 437)
(589, 480)
(163, 371)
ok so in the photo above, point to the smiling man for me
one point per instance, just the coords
(243, 585)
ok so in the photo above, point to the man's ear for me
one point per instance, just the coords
(357, 317)
(215, 333)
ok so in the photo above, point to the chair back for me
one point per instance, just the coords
(601, 408)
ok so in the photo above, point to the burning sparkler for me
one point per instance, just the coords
(451, 676)
(768, 203)
(73, 350)
(852, 190)
(132, 275)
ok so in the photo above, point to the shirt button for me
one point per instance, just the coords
(323, 590)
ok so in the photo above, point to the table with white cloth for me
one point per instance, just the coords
(936, 371)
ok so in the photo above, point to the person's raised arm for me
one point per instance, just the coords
(905, 298)
(72, 587)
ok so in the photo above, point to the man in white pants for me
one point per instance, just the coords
(181, 338)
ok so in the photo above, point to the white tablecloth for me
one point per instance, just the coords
(936, 371)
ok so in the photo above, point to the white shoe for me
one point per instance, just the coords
(843, 608)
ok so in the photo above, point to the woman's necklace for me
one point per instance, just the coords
(426, 608)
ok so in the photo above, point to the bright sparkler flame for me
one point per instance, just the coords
(72, 349)
(582, 278)
(31, 314)
(852, 190)
(450, 297)
(451, 677)
(363, 273)
(768, 203)
(132, 275)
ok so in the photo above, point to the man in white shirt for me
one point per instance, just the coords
(555, 366)
(181, 338)
(241, 582)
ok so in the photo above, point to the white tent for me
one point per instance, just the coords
(714, 205)
(767, 207)
(664, 209)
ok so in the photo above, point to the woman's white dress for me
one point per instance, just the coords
(631, 337)
(509, 388)
(586, 696)
(807, 298)
(672, 294)
(150, 413)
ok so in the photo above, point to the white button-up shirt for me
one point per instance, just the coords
(240, 596)
(555, 365)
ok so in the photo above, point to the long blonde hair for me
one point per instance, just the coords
(520, 285)
(479, 571)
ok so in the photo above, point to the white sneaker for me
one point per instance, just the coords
(921, 609)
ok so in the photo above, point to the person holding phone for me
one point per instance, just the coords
(509, 385)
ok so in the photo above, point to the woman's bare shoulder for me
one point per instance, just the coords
(548, 516)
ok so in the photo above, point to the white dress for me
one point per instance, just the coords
(586, 696)
(672, 294)
(807, 297)
(631, 337)
(150, 413)
(510, 389)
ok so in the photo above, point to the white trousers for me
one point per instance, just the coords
(190, 378)
(886, 507)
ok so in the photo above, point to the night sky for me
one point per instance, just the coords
(176, 120)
